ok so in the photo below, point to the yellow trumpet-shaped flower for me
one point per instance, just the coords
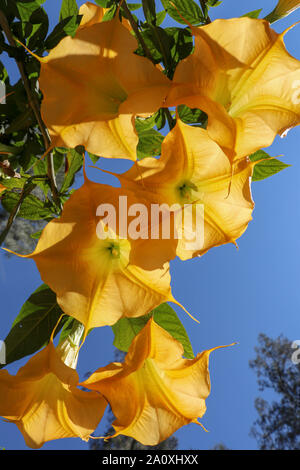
(193, 173)
(155, 391)
(44, 402)
(94, 86)
(98, 273)
(282, 9)
(242, 76)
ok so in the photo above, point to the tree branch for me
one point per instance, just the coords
(148, 54)
(34, 104)
(203, 6)
(137, 32)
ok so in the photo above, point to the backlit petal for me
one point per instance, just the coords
(155, 391)
(242, 76)
(44, 402)
(94, 85)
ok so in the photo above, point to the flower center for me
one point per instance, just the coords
(185, 189)
(114, 250)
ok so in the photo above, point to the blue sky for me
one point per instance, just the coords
(236, 294)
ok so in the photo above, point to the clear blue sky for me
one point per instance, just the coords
(236, 294)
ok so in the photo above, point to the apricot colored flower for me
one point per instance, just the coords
(99, 275)
(44, 402)
(2, 188)
(194, 171)
(155, 391)
(282, 9)
(241, 75)
(94, 86)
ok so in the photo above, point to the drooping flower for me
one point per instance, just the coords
(2, 188)
(282, 9)
(97, 270)
(94, 86)
(155, 391)
(193, 173)
(242, 76)
(43, 400)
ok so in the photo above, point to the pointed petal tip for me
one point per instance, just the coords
(40, 59)
(17, 254)
(183, 308)
(288, 29)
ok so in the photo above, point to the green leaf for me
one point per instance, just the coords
(36, 235)
(67, 27)
(144, 124)
(160, 119)
(105, 3)
(213, 3)
(149, 11)
(109, 15)
(188, 10)
(149, 143)
(268, 168)
(259, 155)
(68, 8)
(180, 46)
(191, 116)
(11, 183)
(33, 326)
(160, 17)
(134, 6)
(252, 14)
(40, 24)
(9, 149)
(22, 121)
(75, 160)
(127, 328)
(93, 157)
(25, 9)
(31, 208)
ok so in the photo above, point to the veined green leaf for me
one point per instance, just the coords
(75, 161)
(185, 10)
(134, 6)
(108, 15)
(68, 8)
(160, 17)
(191, 116)
(149, 11)
(252, 14)
(149, 143)
(127, 328)
(67, 27)
(268, 168)
(32, 208)
(33, 326)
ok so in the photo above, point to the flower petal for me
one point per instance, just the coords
(91, 84)
(155, 391)
(43, 401)
(241, 75)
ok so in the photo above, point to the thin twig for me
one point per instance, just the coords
(28, 187)
(203, 6)
(137, 32)
(34, 104)
(171, 121)
(148, 54)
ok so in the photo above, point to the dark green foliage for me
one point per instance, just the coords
(30, 330)
(277, 367)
